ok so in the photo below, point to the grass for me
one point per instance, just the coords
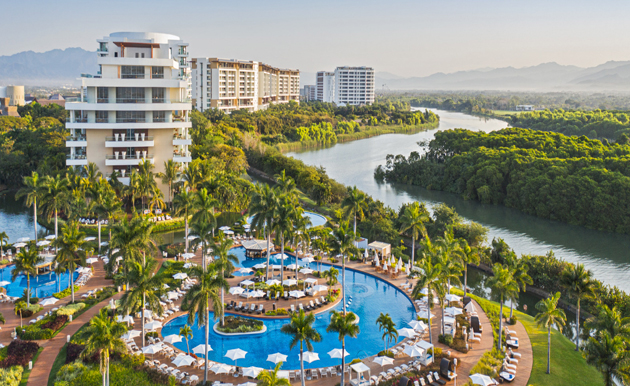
(504, 112)
(57, 364)
(27, 372)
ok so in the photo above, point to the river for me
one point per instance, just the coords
(353, 163)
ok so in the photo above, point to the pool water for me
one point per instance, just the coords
(370, 296)
(43, 285)
(316, 219)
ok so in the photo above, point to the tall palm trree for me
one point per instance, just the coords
(183, 204)
(387, 325)
(345, 325)
(26, 264)
(301, 329)
(343, 244)
(186, 333)
(354, 204)
(105, 340)
(550, 315)
(33, 190)
(580, 282)
(55, 198)
(263, 207)
(71, 250)
(504, 284)
(224, 262)
(413, 221)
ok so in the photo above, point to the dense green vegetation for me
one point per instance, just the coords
(572, 179)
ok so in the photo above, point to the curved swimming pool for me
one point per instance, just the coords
(316, 219)
(42, 285)
(370, 296)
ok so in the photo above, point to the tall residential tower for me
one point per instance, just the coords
(346, 86)
(136, 107)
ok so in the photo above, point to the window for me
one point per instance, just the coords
(159, 116)
(157, 72)
(102, 116)
(137, 55)
(130, 116)
(131, 72)
(158, 95)
(143, 54)
(102, 95)
(130, 95)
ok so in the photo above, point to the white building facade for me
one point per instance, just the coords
(325, 84)
(137, 106)
(354, 86)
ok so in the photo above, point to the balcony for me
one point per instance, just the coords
(182, 157)
(138, 140)
(76, 141)
(76, 160)
(179, 140)
(124, 159)
(131, 120)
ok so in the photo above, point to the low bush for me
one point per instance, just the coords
(173, 249)
(489, 363)
(446, 339)
(19, 353)
(132, 360)
(387, 353)
(4, 262)
(31, 310)
(56, 323)
(73, 351)
(100, 296)
(33, 332)
(11, 376)
(237, 324)
(66, 292)
(70, 309)
(70, 372)
(156, 377)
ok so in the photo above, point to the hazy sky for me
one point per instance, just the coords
(408, 38)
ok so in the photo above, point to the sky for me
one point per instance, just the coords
(406, 38)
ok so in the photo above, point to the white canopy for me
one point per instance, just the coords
(272, 282)
(383, 361)
(247, 282)
(407, 332)
(360, 368)
(153, 325)
(235, 354)
(277, 357)
(289, 282)
(152, 349)
(310, 280)
(296, 294)
(306, 271)
(174, 338)
(310, 356)
(318, 288)
(337, 352)
(414, 351)
(236, 290)
(252, 371)
(424, 344)
(183, 360)
(200, 349)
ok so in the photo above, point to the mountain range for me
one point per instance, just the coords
(59, 67)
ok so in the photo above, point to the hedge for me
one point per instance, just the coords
(11, 376)
(66, 292)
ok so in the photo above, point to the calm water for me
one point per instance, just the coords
(43, 285)
(606, 254)
(360, 287)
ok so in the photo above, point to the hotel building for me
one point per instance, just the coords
(346, 86)
(136, 107)
(325, 84)
(231, 84)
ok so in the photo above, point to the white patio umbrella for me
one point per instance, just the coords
(452, 298)
(172, 295)
(225, 228)
(248, 383)
(104, 244)
(407, 333)
(480, 379)
(194, 378)
(89, 238)
(296, 294)
(277, 357)
(307, 260)
(132, 334)
(337, 353)
(235, 354)
(376, 260)
(152, 349)
(19, 245)
(4, 282)
(252, 371)
(289, 282)
(383, 361)
(418, 325)
(413, 351)
(180, 276)
(292, 266)
(260, 266)
(276, 267)
(470, 307)
(201, 349)
(183, 360)
(453, 311)
(187, 256)
(221, 368)
(153, 325)
(91, 260)
(126, 319)
(192, 237)
(246, 270)
(258, 294)
(147, 313)
(282, 256)
(228, 232)
(189, 265)
(318, 288)
(310, 356)
(23, 239)
(174, 338)
(50, 237)
(42, 243)
(48, 301)
(165, 286)
(236, 290)
(272, 282)
(306, 271)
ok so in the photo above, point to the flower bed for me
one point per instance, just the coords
(19, 353)
(66, 292)
(237, 324)
(70, 309)
(11, 376)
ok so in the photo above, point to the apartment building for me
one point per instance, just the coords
(354, 86)
(135, 108)
(231, 84)
(325, 83)
(309, 93)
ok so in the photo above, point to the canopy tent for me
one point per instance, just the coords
(255, 248)
(360, 368)
(383, 249)
(427, 358)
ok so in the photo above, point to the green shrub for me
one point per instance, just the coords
(4, 262)
(446, 339)
(33, 332)
(70, 372)
(70, 309)
(66, 292)
(11, 376)
(132, 360)
(237, 324)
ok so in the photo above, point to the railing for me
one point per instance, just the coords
(130, 100)
(159, 120)
(131, 120)
(76, 120)
(129, 139)
(142, 100)
(75, 138)
(102, 120)
(76, 156)
(128, 156)
(132, 76)
(102, 100)
(181, 154)
(179, 119)
(157, 76)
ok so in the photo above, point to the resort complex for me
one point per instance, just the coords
(346, 86)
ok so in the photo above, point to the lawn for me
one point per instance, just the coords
(568, 367)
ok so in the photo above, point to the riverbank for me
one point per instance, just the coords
(368, 133)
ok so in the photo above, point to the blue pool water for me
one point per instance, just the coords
(42, 285)
(370, 296)
(316, 219)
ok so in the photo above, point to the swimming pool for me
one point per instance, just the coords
(42, 285)
(316, 219)
(370, 296)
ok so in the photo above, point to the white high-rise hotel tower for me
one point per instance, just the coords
(136, 108)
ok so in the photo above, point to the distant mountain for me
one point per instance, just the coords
(543, 77)
(387, 75)
(54, 67)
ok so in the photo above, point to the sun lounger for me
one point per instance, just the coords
(507, 376)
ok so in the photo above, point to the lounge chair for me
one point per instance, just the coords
(431, 382)
(311, 305)
(252, 308)
(292, 308)
(474, 323)
(508, 377)
(301, 307)
(317, 303)
(324, 301)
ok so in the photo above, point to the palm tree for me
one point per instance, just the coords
(342, 244)
(386, 324)
(71, 250)
(610, 320)
(429, 279)
(33, 190)
(413, 220)
(19, 308)
(331, 276)
(301, 329)
(26, 264)
(105, 340)
(610, 355)
(452, 254)
(127, 237)
(503, 284)
(134, 187)
(470, 255)
(204, 232)
(286, 185)
(263, 207)
(183, 204)
(192, 176)
(550, 315)
(186, 333)
(519, 270)
(224, 261)
(55, 198)
(354, 204)
(345, 325)
(168, 176)
(580, 283)
(203, 206)
(284, 225)
(146, 290)
(272, 378)
(198, 301)
(4, 240)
